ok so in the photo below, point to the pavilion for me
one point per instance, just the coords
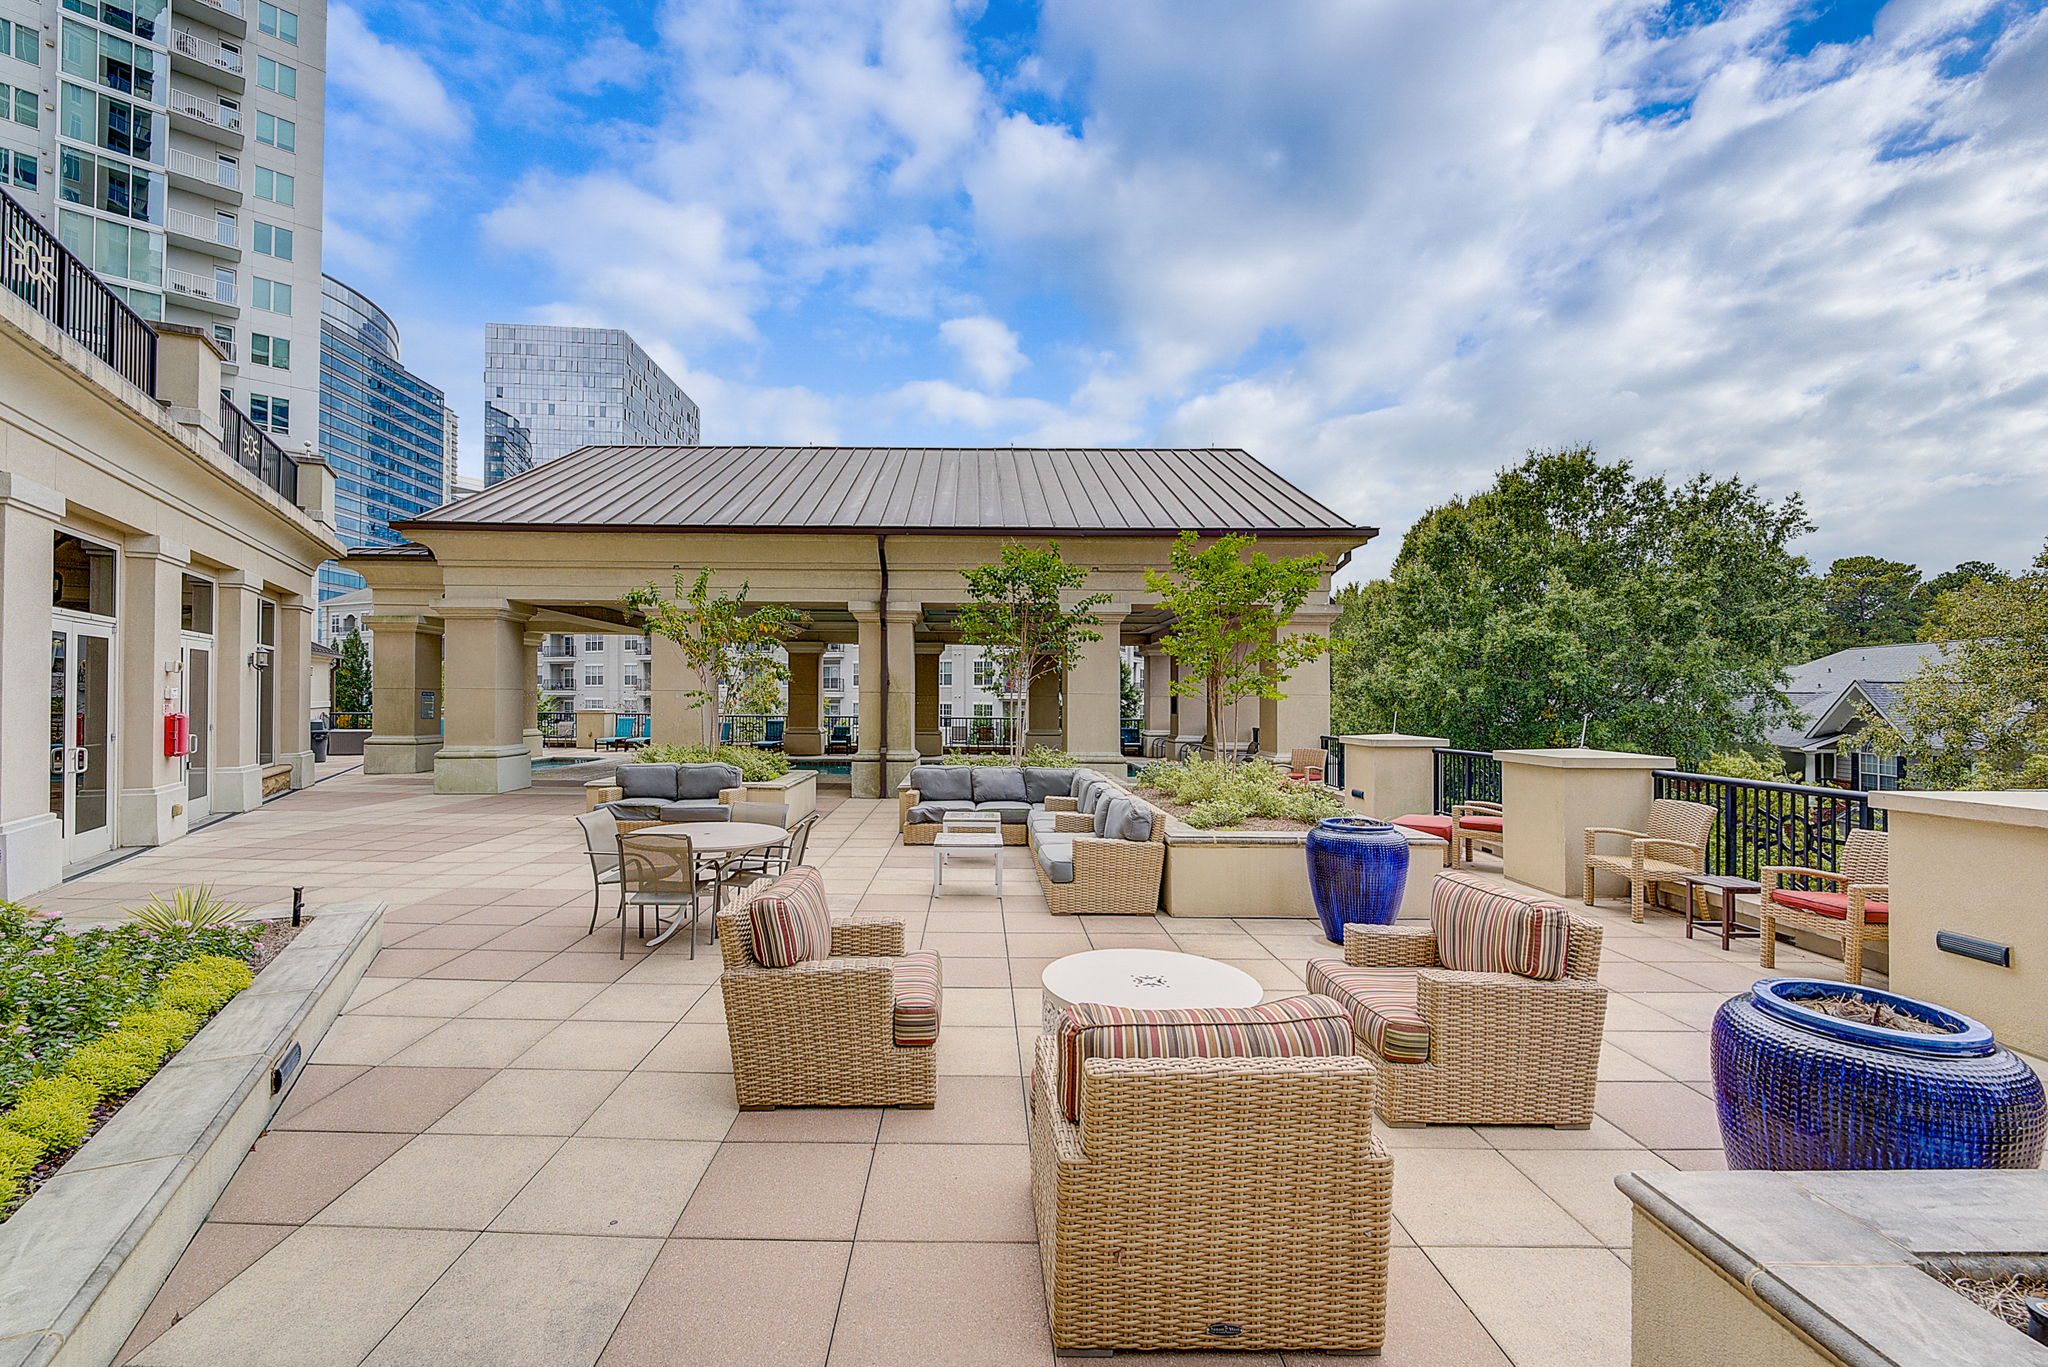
(868, 541)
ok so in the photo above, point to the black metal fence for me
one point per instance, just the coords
(56, 284)
(1772, 823)
(978, 733)
(1333, 762)
(250, 447)
(1465, 776)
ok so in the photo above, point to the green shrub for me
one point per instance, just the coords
(186, 910)
(55, 1112)
(1220, 795)
(1037, 757)
(755, 766)
(111, 1066)
(19, 1154)
(174, 1024)
(204, 985)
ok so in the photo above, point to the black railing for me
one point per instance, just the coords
(1771, 823)
(348, 721)
(250, 447)
(1465, 776)
(56, 284)
(977, 733)
(1333, 762)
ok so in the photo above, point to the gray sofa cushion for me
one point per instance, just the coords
(697, 781)
(657, 781)
(943, 782)
(1013, 813)
(696, 809)
(1040, 784)
(1042, 820)
(999, 783)
(1132, 822)
(1056, 857)
(636, 809)
(934, 813)
(1107, 814)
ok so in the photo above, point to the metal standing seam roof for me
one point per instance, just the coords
(1060, 491)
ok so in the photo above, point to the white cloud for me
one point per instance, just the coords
(986, 346)
(952, 405)
(394, 82)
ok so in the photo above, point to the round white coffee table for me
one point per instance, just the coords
(1150, 979)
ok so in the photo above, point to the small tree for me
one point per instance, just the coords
(1014, 611)
(1130, 699)
(716, 633)
(754, 682)
(1229, 603)
(352, 675)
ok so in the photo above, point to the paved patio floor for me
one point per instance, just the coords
(516, 1148)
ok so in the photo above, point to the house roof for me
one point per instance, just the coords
(1061, 491)
(1826, 690)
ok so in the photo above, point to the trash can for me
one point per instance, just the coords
(319, 742)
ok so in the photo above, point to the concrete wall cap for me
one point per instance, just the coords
(2020, 807)
(1395, 740)
(1576, 757)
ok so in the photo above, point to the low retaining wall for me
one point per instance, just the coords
(83, 1258)
(1265, 873)
(349, 742)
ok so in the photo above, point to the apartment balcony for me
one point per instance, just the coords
(202, 233)
(202, 116)
(224, 15)
(204, 176)
(192, 55)
(207, 292)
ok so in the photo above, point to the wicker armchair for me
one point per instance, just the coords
(1205, 1197)
(1112, 877)
(1674, 845)
(1857, 913)
(1497, 1048)
(1478, 825)
(1307, 764)
(820, 1033)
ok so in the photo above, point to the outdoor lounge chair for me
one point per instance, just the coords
(1673, 845)
(658, 870)
(1489, 1015)
(1307, 765)
(1855, 910)
(1105, 858)
(601, 843)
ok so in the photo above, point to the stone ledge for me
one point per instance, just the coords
(2020, 807)
(1574, 757)
(81, 1260)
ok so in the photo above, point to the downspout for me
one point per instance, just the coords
(882, 665)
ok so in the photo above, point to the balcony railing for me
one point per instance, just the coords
(197, 48)
(250, 447)
(233, 7)
(205, 110)
(1465, 776)
(220, 290)
(199, 168)
(198, 225)
(56, 284)
(1772, 823)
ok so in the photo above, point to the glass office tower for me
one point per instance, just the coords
(569, 387)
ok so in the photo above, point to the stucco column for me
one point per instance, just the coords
(1387, 774)
(1550, 797)
(1042, 713)
(1095, 695)
(901, 643)
(930, 741)
(1157, 683)
(31, 835)
(867, 750)
(151, 809)
(678, 719)
(405, 693)
(295, 688)
(237, 782)
(484, 748)
(801, 733)
(1191, 710)
(1301, 718)
(530, 675)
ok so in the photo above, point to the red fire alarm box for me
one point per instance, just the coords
(177, 735)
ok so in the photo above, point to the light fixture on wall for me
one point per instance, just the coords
(259, 658)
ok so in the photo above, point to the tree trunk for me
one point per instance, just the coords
(710, 709)
(1213, 697)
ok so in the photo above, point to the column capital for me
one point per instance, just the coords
(422, 622)
(533, 640)
(156, 548)
(803, 647)
(26, 494)
(930, 647)
(905, 607)
(864, 609)
(484, 609)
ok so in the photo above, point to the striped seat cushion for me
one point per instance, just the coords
(1481, 928)
(1294, 1027)
(1834, 905)
(789, 921)
(914, 985)
(1438, 826)
(1382, 1006)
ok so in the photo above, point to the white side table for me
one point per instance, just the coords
(1149, 979)
(949, 844)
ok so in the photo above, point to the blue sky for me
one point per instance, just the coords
(1386, 247)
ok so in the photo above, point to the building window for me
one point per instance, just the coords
(272, 131)
(945, 671)
(635, 645)
(106, 60)
(24, 41)
(272, 413)
(984, 672)
(945, 716)
(271, 240)
(139, 17)
(24, 168)
(278, 77)
(275, 186)
(113, 249)
(19, 105)
(633, 680)
(593, 676)
(831, 681)
(113, 187)
(273, 296)
(593, 643)
(275, 352)
(225, 335)
(104, 121)
(280, 24)
(593, 704)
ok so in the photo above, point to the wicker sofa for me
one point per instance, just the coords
(1100, 851)
(1010, 791)
(837, 1014)
(1489, 1015)
(643, 793)
(1196, 1203)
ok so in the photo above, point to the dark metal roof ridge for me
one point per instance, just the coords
(799, 529)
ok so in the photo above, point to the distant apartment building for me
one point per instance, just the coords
(594, 673)
(508, 446)
(973, 704)
(569, 387)
(383, 429)
(175, 147)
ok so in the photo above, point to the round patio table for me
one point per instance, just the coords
(714, 842)
(1151, 979)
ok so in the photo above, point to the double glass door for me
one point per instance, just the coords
(197, 706)
(81, 734)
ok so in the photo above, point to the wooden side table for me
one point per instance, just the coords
(1701, 885)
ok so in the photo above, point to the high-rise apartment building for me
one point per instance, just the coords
(570, 387)
(383, 429)
(508, 446)
(175, 146)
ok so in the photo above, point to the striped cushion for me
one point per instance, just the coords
(914, 984)
(1382, 1006)
(1834, 905)
(1294, 1027)
(790, 920)
(1481, 928)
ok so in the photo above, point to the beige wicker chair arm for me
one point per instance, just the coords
(1478, 808)
(1171, 1111)
(1450, 998)
(728, 796)
(1593, 831)
(1773, 876)
(1073, 823)
(855, 939)
(1059, 803)
(906, 798)
(1582, 959)
(1859, 893)
(595, 795)
(1648, 847)
(1045, 1105)
(1104, 857)
(1394, 946)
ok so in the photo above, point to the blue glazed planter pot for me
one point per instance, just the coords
(1799, 1090)
(1357, 869)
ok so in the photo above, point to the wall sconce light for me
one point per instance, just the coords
(259, 658)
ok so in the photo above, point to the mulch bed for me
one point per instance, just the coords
(2005, 1297)
(1252, 823)
(1871, 1013)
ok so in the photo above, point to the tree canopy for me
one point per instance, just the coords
(720, 635)
(1573, 591)
(1867, 600)
(352, 675)
(1021, 610)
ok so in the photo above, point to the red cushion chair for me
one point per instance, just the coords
(1856, 910)
(1833, 905)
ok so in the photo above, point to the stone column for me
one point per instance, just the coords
(801, 732)
(1042, 713)
(1191, 710)
(237, 783)
(1300, 720)
(901, 643)
(1095, 696)
(405, 693)
(31, 835)
(535, 740)
(931, 742)
(678, 718)
(295, 688)
(868, 779)
(484, 747)
(1388, 775)
(1550, 797)
(1158, 688)
(151, 809)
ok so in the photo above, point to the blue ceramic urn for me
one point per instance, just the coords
(1357, 868)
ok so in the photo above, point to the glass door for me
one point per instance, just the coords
(81, 736)
(198, 707)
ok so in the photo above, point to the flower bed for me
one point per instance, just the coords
(1037, 757)
(755, 766)
(1211, 795)
(87, 1019)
